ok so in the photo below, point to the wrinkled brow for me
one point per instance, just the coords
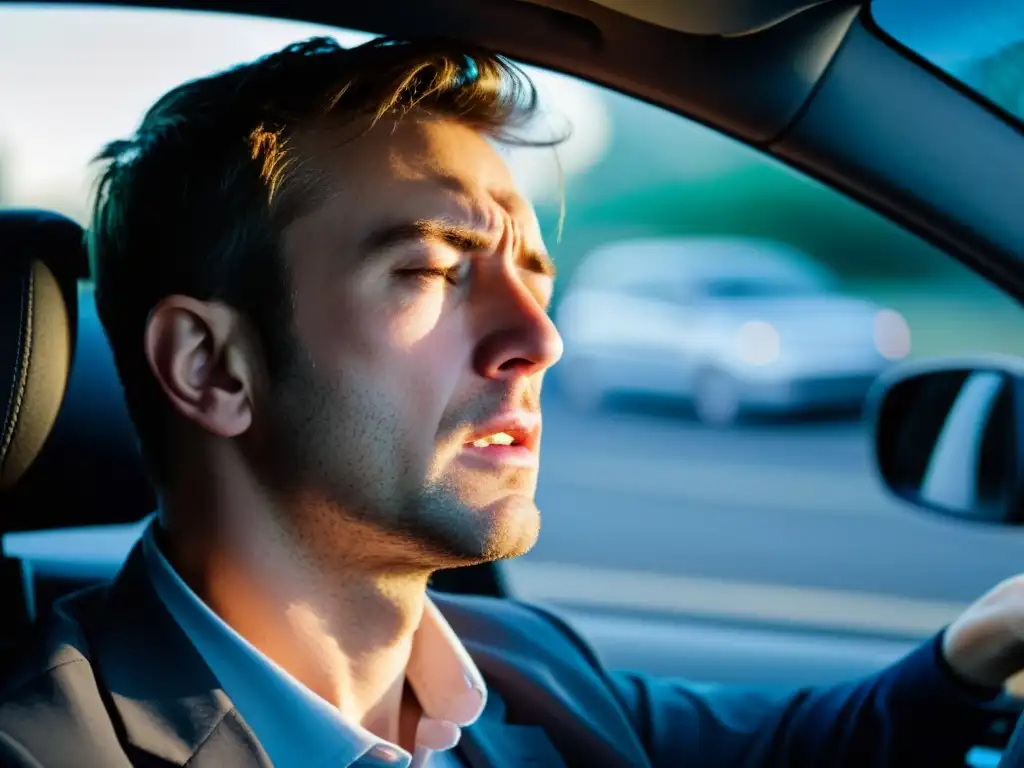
(456, 236)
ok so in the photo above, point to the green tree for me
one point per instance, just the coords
(1000, 77)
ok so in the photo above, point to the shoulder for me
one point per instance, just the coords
(56, 647)
(48, 686)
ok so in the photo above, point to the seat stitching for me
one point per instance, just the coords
(21, 370)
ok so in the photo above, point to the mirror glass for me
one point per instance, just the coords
(946, 440)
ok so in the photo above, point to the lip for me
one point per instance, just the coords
(523, 426)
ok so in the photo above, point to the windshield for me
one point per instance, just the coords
(980, 42)
(689, 468)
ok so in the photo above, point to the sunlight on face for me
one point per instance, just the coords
(421, 289)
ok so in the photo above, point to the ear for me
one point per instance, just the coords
(198, 352)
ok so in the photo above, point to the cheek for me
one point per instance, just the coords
(432, 335)
(430, 366)
(416, 317)
(426, 376)
(344, 332)
(406, 355)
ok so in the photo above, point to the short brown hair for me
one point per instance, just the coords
(195, 202)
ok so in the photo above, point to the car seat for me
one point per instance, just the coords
(42, 257)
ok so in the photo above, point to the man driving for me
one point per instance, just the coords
(327, 303)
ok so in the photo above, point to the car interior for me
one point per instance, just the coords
(815, 84)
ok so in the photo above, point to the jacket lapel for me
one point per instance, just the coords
(172, 708)
(231, 744)
(170, 704)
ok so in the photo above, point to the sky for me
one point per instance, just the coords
(952, 32)
(72, 79)
(84, 76)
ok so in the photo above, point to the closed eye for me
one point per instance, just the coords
(451, 274)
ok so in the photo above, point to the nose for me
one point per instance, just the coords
(520, 340)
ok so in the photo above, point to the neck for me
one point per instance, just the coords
(340, 626)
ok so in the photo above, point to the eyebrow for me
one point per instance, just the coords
(457, 236)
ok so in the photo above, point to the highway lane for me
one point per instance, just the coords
(640, 428)
(643, 509)
(791, 507)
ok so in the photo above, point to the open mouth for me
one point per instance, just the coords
(498, 438)
(512, 443)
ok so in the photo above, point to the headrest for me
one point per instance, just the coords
(90, 472)
(42, 256)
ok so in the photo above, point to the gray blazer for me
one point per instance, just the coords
(109, 679)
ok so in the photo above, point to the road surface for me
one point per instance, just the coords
(786, 521)
(774, 522)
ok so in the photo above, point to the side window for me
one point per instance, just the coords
(44, 162)
(720, 470)
(713, 469)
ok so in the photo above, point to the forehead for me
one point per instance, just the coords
(419, 167)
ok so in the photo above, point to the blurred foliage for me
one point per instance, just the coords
(666, 175)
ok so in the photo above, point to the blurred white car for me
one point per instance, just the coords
(735, 325)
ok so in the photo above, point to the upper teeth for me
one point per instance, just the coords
(498, 438)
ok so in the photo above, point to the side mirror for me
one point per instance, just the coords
(948, 437)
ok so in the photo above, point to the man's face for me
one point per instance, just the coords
(420, 291)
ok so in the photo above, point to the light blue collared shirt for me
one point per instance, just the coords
(299, 729)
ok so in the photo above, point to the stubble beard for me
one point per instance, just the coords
(349, 492)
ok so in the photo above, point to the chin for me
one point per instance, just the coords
(461, 523)
(509, 528)
(470, 532)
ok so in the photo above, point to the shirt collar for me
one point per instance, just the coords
(294, 725)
